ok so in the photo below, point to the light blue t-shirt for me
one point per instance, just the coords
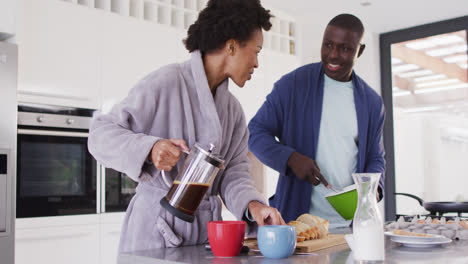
(337, 149)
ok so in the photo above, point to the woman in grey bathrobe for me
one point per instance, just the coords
(176, 106)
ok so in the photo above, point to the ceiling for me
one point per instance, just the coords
(430, 74)
(377, 15)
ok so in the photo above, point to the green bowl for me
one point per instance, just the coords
(345, 202)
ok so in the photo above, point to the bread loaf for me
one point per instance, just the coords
(315, 221)
(310, 227)
(300, 238)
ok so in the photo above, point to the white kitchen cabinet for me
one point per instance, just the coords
(8, 16)
(110, 236)
(110, 227)
(68, 239)
(79, 56)
(58, 58)
(65, 239)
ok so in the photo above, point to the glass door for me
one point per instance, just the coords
(425, 90)
(56, 174)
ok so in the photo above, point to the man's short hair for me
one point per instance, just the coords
(349, 22)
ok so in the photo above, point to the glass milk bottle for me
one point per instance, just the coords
(368, 225)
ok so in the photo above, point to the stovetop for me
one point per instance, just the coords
(408, 218)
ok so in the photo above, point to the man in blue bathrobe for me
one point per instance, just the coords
(320, 124)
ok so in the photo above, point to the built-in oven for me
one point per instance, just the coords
(117, 189)
(56, 174)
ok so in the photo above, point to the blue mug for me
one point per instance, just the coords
(276, 241)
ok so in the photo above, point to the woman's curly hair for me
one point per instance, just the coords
(222, 20)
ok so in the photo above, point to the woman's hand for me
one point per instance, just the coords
(265, 215)
(166, 152)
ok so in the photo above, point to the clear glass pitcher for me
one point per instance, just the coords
(188, 189)
(368, 225)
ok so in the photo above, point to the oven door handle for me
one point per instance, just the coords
(52, 133)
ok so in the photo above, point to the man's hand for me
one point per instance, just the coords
(306, 168)
(166, 152)
(265, 215)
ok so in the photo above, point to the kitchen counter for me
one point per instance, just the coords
(455, 252)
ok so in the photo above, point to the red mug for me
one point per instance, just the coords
(226, 237)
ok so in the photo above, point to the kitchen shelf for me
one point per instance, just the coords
(121, 7)
(137, 9)
(190, 5)
(177, 18)
(150, 12)
(102, 4)
(181, 14)
(85, 2)
(281, 37)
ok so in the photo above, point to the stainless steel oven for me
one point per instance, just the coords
(56, 174)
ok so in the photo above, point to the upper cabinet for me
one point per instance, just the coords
(8, 15)
(58, 54)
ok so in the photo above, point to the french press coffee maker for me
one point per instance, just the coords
(198, 172)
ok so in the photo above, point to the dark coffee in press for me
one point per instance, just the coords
(187, 196)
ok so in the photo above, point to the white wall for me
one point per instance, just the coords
(410, 176)
(430, 158)
(8, 9)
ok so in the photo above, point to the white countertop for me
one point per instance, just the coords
(455, 252)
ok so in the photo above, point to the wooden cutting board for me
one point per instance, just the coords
(318, 244)
(309, 245)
